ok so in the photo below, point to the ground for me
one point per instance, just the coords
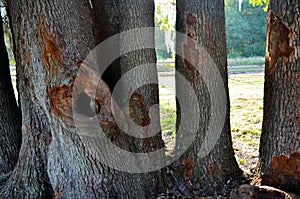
(246, 113)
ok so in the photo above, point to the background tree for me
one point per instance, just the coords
(204, 22)
(10, 120)
(245, 26)
(165, 15)
(279, 144)
(163, 52)
(260, 3)
(246, 29)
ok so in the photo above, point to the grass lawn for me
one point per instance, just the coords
(246, 113)
(246, 61)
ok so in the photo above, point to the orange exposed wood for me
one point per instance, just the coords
(288, 165)
(52, 47)
(191, 20)
(27, 57)
(188, 169)
(61, 101)
(88, 81)
(284, 171)
(190, 49)
(278, 42)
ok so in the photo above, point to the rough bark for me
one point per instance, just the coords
(106, 18)
(204, 23)
(112, 17)
(280, 141)
(52, 38)
(140, 14)
(10, 115)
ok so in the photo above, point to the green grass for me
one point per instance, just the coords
(246, 111)
(167, 110)
(245, 69)
(246, 61)
(246, 94)
(171, 65)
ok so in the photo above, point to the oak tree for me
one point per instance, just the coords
(279, 144)
(209, 162)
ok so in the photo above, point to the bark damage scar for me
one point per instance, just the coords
(215, 170)
(52, 47)
(297, 120)
(190, 49)
(138, 109)
(285, 170)
(61, 101)
(27, 57)
(288, 165)
(64, 98)
(297, 114)
(279, 36)
(188, 168)
(191, 20)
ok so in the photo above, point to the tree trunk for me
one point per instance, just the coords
(141, 64)
(209, 163)
(279, 145)
(10, 115)
(106, 18)
(111, 18)
(56, 158)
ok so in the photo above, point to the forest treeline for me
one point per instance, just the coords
(246, 26)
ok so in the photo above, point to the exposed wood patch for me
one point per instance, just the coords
(190, 49)
(191, 20)
(140, 115)
(184, 174)
(27, 57)
(188, 168)
(90, 92)
(61, 101)
(215, 170)
(288, 165)
(138, 109)
(89, 82)
(279, 36)
(52, 47)
(285, 172)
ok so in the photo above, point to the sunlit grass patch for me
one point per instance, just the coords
(245, 61)
(246, 113)
(167, 109)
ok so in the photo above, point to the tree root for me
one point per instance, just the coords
(260, 192)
